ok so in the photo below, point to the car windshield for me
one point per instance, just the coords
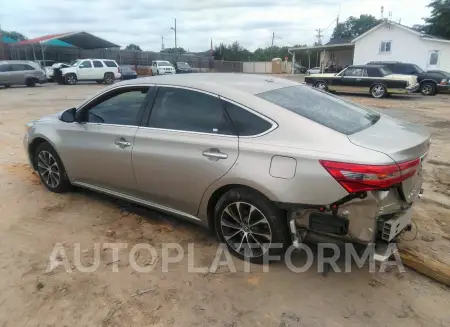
(420, 70)
(164, 63)
(336, 113)
(74, 63)
(126, 69)
(182, 64)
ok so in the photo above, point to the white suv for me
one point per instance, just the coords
(161, 67)
(99, 70)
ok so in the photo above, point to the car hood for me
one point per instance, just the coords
(322, 75)
(400, 140)
(412, 79)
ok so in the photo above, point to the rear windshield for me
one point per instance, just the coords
(340, 115)
(164, 63)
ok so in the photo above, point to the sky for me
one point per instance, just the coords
(251, 22)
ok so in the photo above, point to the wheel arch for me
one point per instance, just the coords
(38, 140)
(208, 209)
(428, 81)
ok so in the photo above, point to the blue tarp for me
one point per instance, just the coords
(58, 43)
(7, 39)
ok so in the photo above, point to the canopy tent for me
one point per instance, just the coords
(81, 40)
(72, 40)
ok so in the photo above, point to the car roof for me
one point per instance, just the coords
(226, 84)
(367, 66)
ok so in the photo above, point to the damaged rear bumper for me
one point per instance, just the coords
(365, 218)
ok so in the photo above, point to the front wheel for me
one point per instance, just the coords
(250, 225)
(428, 89)
(321, 86)
(378, 91)
(51, 169)
(71, 79)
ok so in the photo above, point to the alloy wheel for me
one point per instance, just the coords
(71, 79)
(245, 229)
(427, 89)
(321, 86)
(108, 79)
(378, 91)
(48, 169)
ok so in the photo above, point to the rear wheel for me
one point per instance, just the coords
(71, 79)
(428, 89)
(250, 225)
(321, 86)
(378, 91)
(109, 78)
(51, 169)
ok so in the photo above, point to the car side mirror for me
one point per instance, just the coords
(69, 116)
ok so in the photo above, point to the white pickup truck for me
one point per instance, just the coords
(99, 70)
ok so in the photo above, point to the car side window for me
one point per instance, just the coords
(21, 67)
(374, 72)
(121, 108)
(188, 110)
(354, 72)
(97, 64)
(110, 63)
(85, 64)
(245, 122)
(5, 68)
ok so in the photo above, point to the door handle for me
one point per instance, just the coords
(122, 143)
(214, 154)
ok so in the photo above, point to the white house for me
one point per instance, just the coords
(388, 41)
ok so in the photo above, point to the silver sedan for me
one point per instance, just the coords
(264, 162)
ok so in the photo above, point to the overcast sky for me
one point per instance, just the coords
(251, 22)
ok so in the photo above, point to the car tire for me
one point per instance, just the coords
(243, 215)
(70, 79)
(321, 86)
(378, 91)
(50, 169)
(428, 89)
(30, 82)
(109, 78)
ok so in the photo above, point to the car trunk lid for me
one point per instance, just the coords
(400, 140)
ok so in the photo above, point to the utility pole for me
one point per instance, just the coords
(174, 28)
(319, 36)
(162, 42)
(271, 49)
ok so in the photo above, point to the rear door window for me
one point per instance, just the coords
(97, 64)
(21, 67)
(5, 68)
(340, 115)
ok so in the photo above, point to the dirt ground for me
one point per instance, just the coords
(33, 220)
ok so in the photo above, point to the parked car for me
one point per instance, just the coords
(444, 84)
(47, 65)
(376, 80)
(21, 72)
(161, 67)
(299, 69)
(252, 158)
(315, 70)
(99, 70)
(182, 67)
(428, 81)
(128, 73)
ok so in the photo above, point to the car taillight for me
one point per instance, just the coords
(444, 82)
(118, 70)
(358, 178)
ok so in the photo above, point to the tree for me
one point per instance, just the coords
(354, 27)
(14, 35)
(133, 47)
(173, 50)
(439, 22)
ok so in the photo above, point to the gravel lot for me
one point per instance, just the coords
(33, 220)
